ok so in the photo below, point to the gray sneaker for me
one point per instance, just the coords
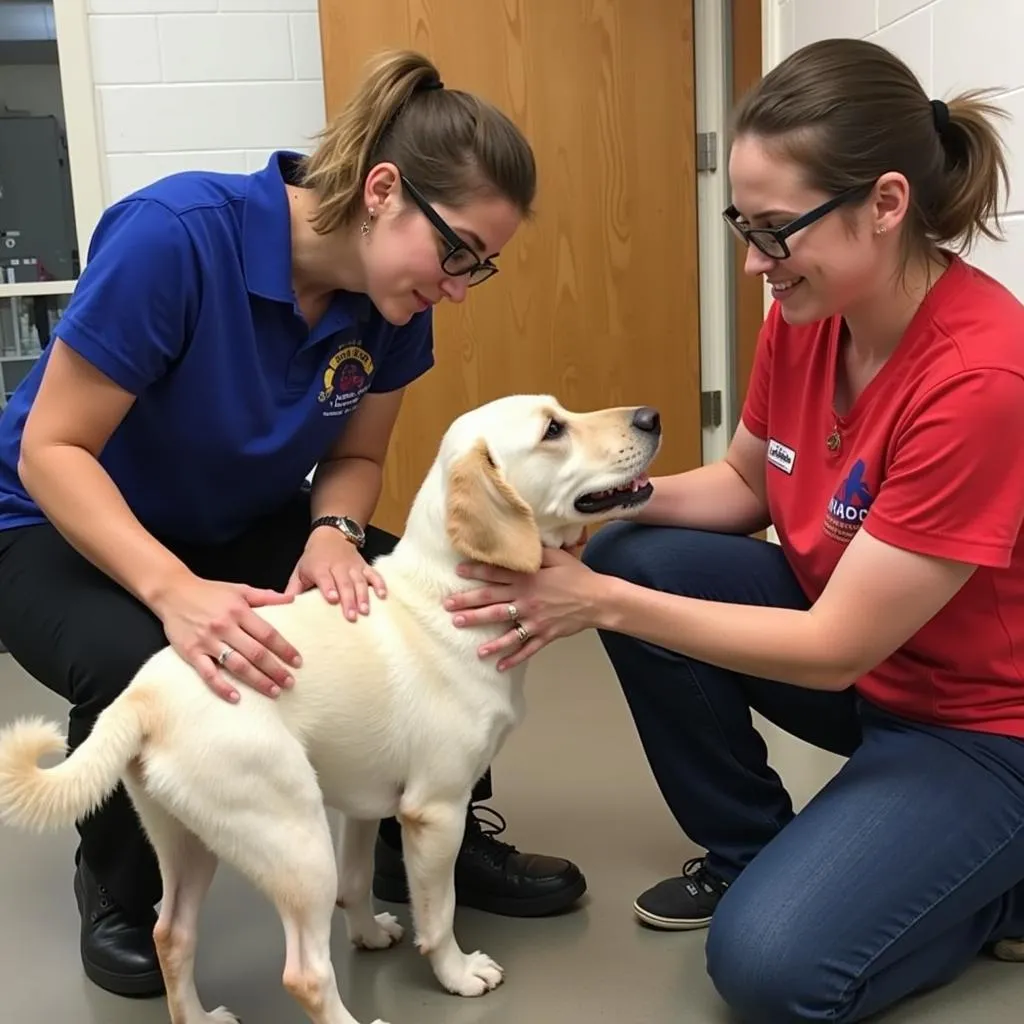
(682, 903)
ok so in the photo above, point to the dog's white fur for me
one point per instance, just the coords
(394, 714)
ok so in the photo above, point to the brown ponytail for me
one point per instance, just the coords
(975, 166)
(450, 144)
(848, 111)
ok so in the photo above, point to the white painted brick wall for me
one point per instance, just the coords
(932, 37)
(213, 84)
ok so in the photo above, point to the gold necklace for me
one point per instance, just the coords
(834, 440)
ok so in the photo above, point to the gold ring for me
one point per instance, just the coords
(512, 611)
(522, 632)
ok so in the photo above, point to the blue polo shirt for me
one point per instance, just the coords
(186, 301)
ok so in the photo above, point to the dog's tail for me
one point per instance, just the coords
(36, 798)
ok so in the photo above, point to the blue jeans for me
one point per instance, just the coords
(892, 879)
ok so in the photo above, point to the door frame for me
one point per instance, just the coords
(730, 55)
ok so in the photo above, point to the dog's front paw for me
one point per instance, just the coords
(382, 933)
(222, 1015)
(477, 974)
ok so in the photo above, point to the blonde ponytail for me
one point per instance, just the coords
(449, 143)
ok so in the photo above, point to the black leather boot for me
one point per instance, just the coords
(117, 951)
(490, 875)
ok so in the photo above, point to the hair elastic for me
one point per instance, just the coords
(940, 114)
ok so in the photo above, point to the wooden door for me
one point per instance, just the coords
(596, 301)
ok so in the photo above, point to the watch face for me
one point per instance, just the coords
(352, 526)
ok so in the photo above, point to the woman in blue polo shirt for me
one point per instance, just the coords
(229, 333)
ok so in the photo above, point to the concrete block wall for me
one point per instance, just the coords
(932, 37)
(214, 84)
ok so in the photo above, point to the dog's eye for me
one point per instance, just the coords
(555, 429)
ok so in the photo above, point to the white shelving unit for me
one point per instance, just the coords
(29, 288)
(28, 313)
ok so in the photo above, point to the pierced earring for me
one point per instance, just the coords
(880, 230)
(364, 230)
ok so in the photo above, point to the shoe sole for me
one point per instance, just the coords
(393, 890)
(1010, 951)
(131, 986)
(669, 924)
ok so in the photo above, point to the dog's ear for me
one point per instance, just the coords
(487, 521)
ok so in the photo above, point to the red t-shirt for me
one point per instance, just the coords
(931, 460)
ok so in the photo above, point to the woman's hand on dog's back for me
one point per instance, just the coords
(204, 618)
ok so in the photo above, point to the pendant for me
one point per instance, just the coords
(833, 440)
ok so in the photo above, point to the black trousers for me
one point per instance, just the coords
(83, 636)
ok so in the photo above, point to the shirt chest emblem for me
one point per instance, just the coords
(346, 379)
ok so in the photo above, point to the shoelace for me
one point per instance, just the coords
(488, 830)
(696, 868)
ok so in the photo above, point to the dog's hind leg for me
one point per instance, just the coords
(304, 889)
(187, 868)
(431, 836)
(308, 971)
(355, 881)
(281, 842)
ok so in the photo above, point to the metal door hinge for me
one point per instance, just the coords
(707, 151)
(711, 408)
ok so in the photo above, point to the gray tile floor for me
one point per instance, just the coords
(572, 781)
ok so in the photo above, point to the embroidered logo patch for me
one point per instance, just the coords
(346, 379)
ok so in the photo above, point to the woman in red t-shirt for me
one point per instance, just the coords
(881, 436)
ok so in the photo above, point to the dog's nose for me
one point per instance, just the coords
(647, 420)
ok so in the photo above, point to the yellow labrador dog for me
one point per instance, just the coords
(395, 714)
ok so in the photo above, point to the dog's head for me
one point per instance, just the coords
(522, 472)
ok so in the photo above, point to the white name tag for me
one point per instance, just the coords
(780, 456)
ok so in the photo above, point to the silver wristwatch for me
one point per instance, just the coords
(348, 526)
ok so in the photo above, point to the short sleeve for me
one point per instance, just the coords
(136, 300)
(755, 406)
(410, 354)
(954, 485)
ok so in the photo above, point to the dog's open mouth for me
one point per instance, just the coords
(626, 495)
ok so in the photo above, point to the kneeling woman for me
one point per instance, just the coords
(880, 437)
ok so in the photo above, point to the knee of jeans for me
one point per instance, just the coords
(624, 550)
(765, 972)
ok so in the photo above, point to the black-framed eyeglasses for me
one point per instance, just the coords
(772, 241)
(459, 260)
